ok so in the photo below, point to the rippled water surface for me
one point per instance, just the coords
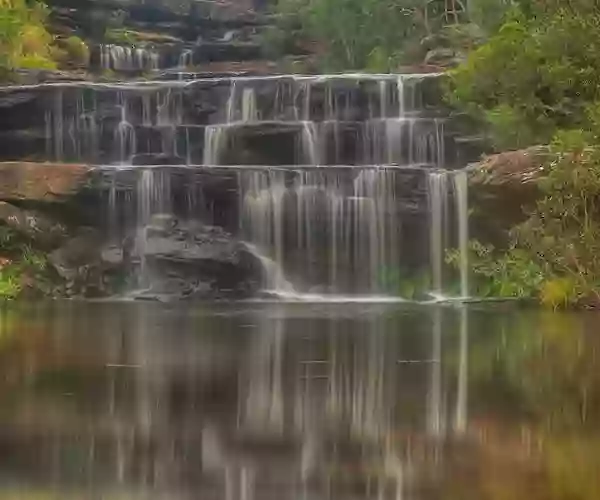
(254, 401)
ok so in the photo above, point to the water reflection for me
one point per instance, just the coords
(259, 401)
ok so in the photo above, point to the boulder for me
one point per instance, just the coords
(41, 182)
(88, 267)
(196, 260)
(516, 170)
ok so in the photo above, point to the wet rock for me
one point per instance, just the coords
(156, 159)
(41, 229)
(88, 268)
(41, 182)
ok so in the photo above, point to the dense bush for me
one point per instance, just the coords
(24, 40)
(534, 77)
(554, 256)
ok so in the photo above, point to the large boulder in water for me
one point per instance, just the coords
(195, 260)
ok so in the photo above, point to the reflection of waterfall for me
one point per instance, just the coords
(263, 405)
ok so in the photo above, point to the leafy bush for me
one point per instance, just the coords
(379, 35)
(77, 51)
(120, 35)
(21, 266)
(534, 77)
(554, 255)
(24, 40)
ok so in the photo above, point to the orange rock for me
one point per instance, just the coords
(41, 181)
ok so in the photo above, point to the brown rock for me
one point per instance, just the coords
(46, 182)
(503, 188)
(518, 169)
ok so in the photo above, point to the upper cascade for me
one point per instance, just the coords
(354, 119)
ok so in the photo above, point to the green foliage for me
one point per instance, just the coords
(535, 76)
(120, 35)
(512, 274)
(379, 35)
(24, 40)
(20, 265)
(555, 254)
(405, 284)
(77, 51)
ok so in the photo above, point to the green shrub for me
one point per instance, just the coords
(534, 77)
(24, 40)
(120, 36)
(554, 255)
(77, 51)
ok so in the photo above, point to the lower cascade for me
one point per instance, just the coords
(297, 186)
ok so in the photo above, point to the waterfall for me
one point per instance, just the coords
(215, 140)
(360, 166)
(249, 109)
(128, 58)
(309, 142)
(153, 197)
(438, 209)
(263, 196)
(185, 58)
(400, 89)
(462, 213)
(231, 103)
(124, 136)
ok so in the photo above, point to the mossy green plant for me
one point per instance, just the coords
(24, 40)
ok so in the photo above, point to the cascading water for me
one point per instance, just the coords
(128, 58)
(357, 186)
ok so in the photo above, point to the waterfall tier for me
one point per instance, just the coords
(345, 183)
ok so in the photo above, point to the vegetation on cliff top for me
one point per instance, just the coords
(381, 35)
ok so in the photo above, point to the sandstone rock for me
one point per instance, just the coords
(502, 188)
(41, 182)
(515, 169)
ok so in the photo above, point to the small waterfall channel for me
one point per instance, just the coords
(346, 185)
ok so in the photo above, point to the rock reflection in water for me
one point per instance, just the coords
(273, 401)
